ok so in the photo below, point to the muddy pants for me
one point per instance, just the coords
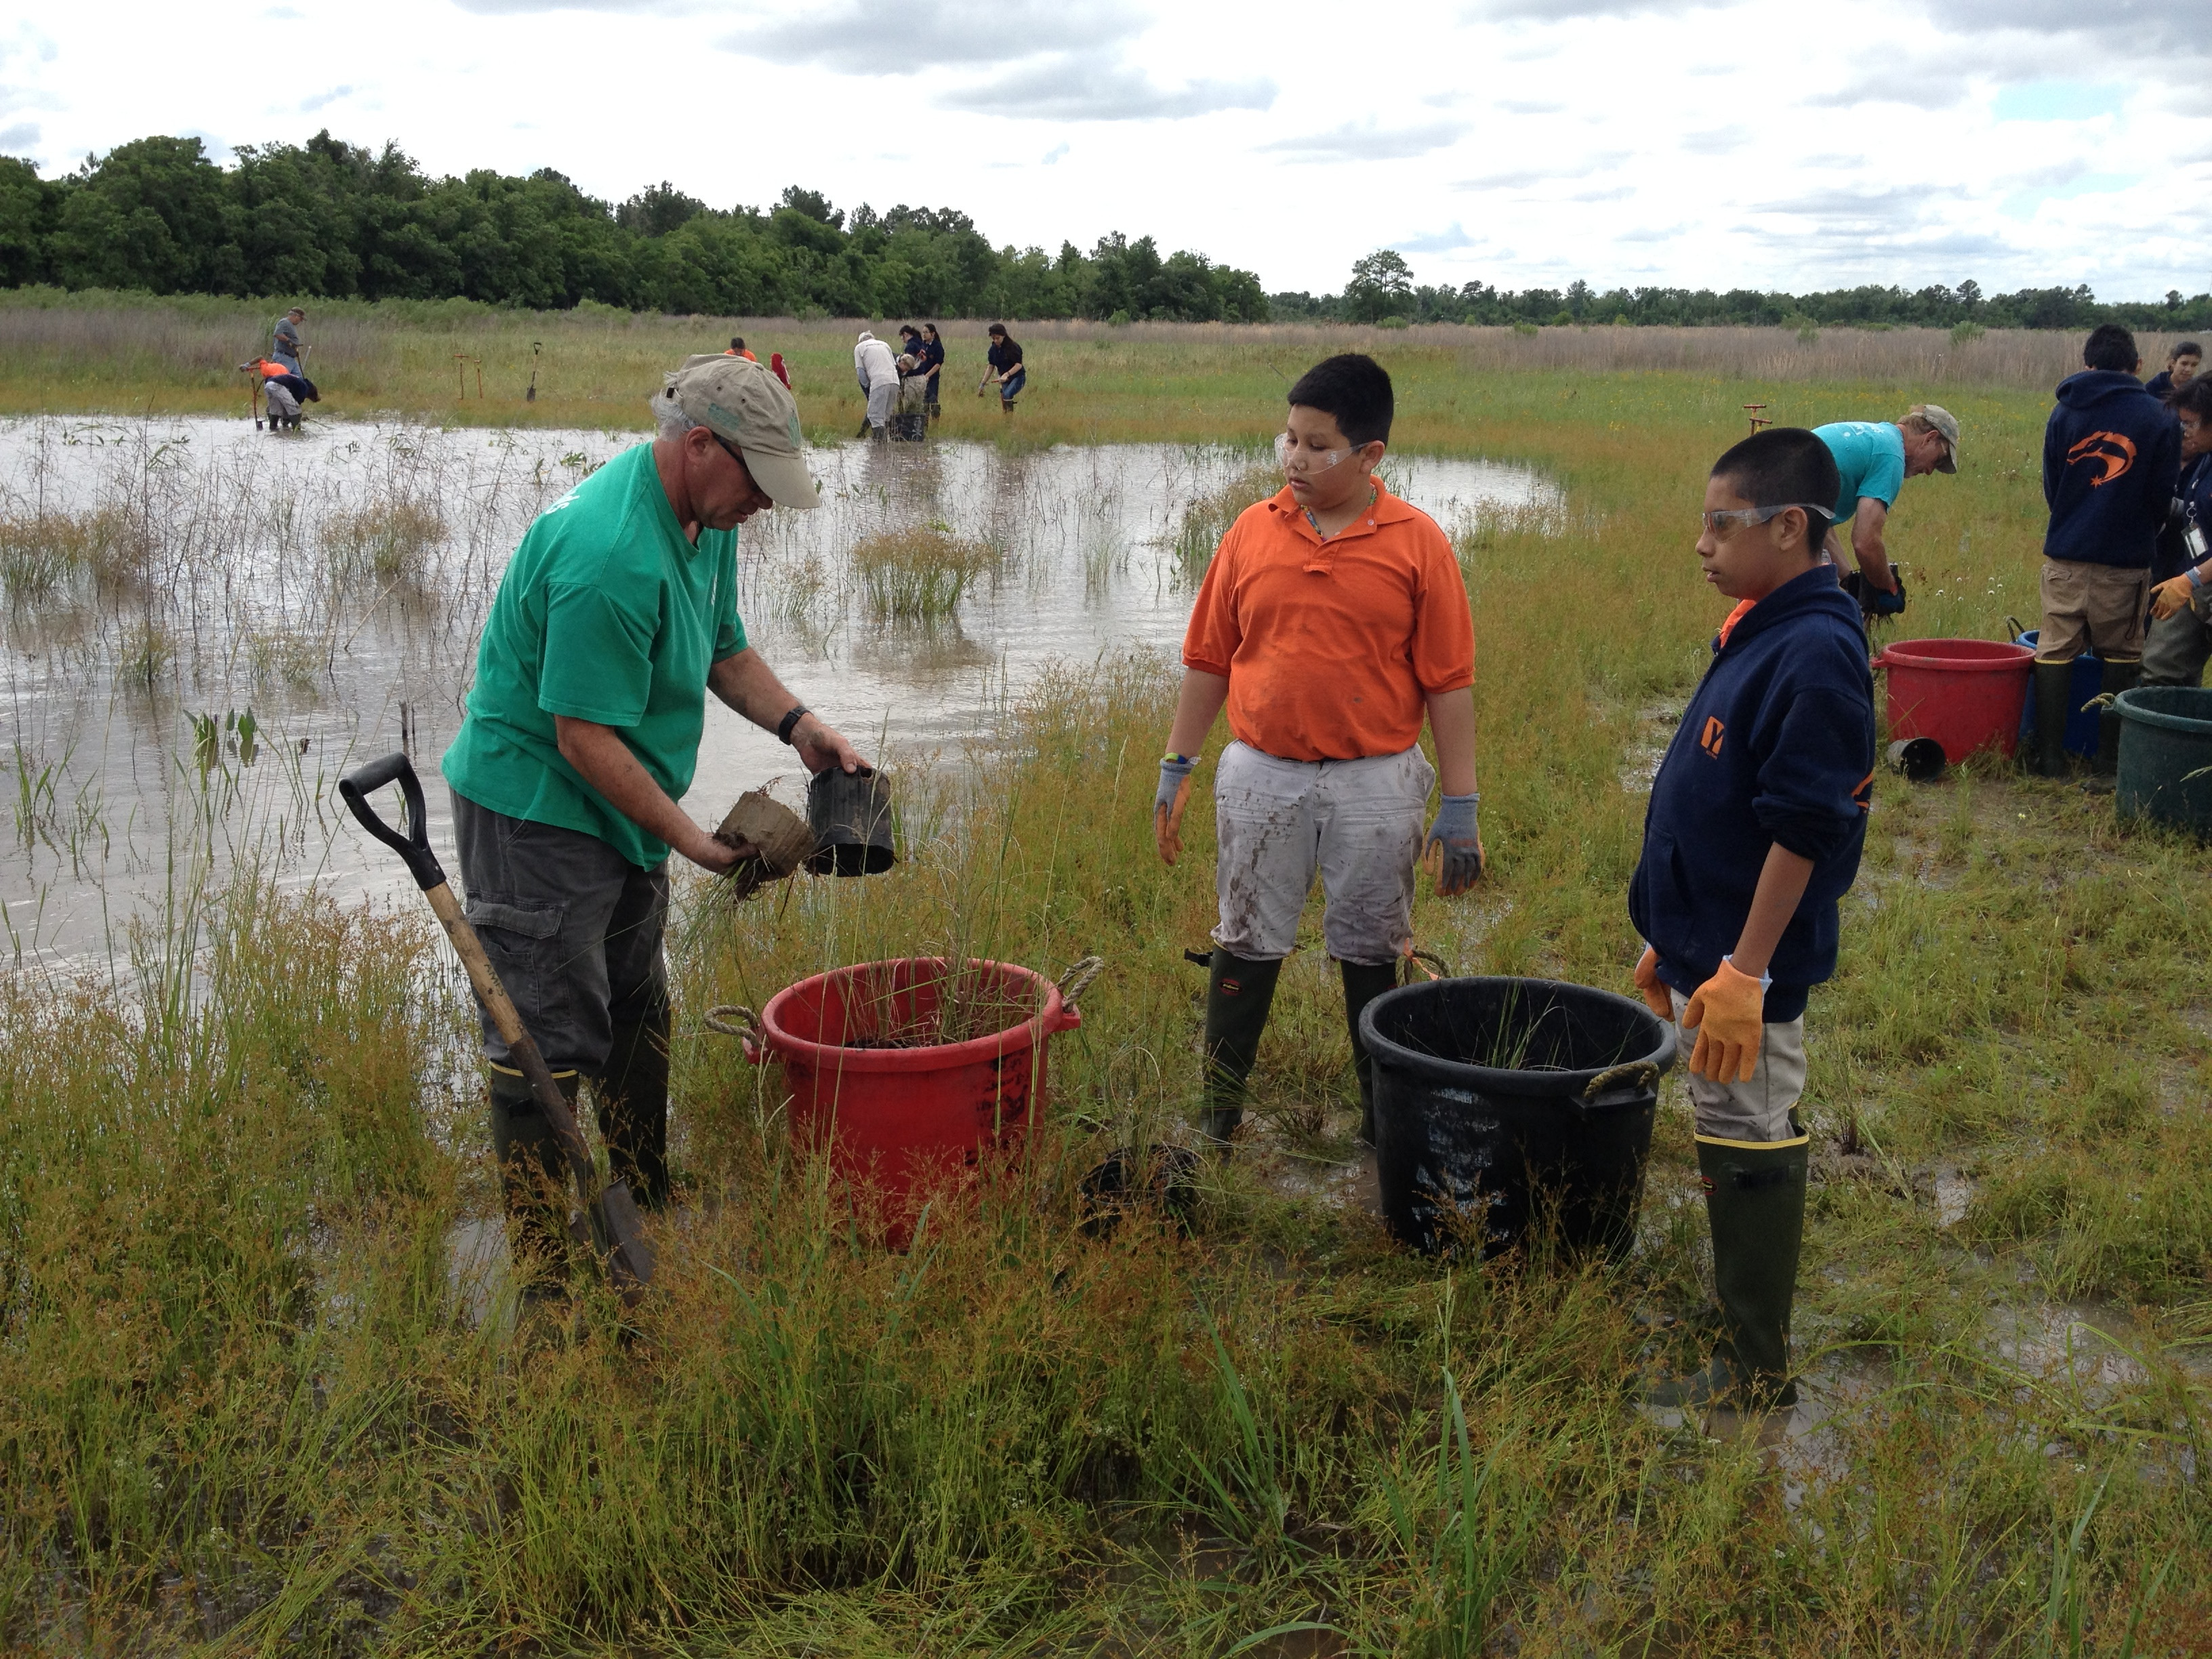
(1757, 1113)
(1357, 823)
(2178, 647)
(2091, 607)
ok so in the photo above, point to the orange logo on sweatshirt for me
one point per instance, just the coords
(1710, 738)
(2111, 453)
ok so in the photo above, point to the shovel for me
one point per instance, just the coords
(616, 1231)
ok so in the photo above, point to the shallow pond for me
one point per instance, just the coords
(206, 626)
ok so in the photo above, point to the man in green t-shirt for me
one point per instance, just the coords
(616, 615)
(1874, 459)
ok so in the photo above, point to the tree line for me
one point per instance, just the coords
(329, 219)
(1382, 289)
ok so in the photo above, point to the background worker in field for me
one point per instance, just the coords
(1333, 618)
(285, 345)
(616, 615)
(2182, 364)
(1757, 820)
(285, 390)
(877, 370)
(1004, 368)
(2112, 454)
(2180, 639)
(1873, 460)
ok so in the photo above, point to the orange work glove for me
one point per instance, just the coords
(2171, 598)
(1729, 1014)
(1656, 997)
(1169, 802)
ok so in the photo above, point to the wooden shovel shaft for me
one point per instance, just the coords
(613, 1212)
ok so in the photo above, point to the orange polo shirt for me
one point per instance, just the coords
(1330, 647)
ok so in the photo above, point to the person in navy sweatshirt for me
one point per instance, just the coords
(1757, 819)
(2110, 455)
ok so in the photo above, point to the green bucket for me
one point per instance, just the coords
(2165, 755)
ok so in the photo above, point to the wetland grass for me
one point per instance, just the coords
(918, 573)
(245, 1404)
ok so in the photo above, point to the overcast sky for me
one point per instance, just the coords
(1520, 142)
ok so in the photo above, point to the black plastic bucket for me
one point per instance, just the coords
(1501, 1103)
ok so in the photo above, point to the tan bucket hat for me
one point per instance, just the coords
(1947, 428)
(743, 403)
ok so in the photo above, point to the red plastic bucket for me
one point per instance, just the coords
(903, 1115)
(1966, 694)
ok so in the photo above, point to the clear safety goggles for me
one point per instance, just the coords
(1742, 518)
(1292, 457)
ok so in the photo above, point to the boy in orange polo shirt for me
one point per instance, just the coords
(1331, 620)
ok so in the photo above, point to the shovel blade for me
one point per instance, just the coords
(630, 1256)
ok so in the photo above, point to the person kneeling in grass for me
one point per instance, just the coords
(1333, 618)
(1757, 819)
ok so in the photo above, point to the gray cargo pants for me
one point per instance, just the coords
(572, 927)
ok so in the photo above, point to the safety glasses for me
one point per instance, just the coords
(1307, 462)
(1742, 518)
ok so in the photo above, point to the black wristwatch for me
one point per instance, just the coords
(789, 723)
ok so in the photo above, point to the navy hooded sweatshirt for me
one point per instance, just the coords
(1777, 746)
(2111, 454)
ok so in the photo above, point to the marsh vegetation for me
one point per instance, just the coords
(250, 1398)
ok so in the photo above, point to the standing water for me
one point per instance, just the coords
(206, 626)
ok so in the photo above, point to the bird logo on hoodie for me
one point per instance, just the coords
(2111, 453)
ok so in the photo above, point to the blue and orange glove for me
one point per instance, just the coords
(1169, 802)
(1656, 997)
(1729, 1014)
(1459, 842)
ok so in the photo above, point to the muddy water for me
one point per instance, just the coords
(331, 586)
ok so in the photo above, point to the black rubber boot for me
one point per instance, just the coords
(2054, 703)
(1364, 982)
(532, 1174)
(1238, 994)
(2118, 675)
(1755, 1205)
(632, 1092)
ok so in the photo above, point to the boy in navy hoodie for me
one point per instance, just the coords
(1758, 816)
(2111, 454)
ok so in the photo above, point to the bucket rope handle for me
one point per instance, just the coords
(1077, 980)
(1430, 963)
(1643, 1072)
(733, 1020)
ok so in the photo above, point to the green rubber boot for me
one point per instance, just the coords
(1238, 994)
(1362, 982)
(1755, 1204)
(2054, 703)
(533, 1176)
(632, 1092)
(2118, 675)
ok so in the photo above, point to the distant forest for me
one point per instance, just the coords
(327, 218)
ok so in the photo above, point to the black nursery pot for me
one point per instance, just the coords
(850, 813)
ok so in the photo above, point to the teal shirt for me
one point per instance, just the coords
(1870, 454)
(606, 613)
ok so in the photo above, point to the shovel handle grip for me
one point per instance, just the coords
(414, 846)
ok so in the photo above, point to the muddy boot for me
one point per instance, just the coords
(1238, 994)
(2118, 675)
(1755, 1204)
(2054, 703)
(632, 1092)
(533, 1174)
(1363, 983)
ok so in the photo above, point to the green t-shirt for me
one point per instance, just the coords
(606, 613)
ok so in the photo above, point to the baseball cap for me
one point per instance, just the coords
(743, 403)
(1947, 428)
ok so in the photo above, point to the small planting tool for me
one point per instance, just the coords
(616, 1232)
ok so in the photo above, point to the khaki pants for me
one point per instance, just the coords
(2091, 607)
(1756, 1113)
(1355, 823)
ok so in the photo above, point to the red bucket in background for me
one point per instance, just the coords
(900, 1114)
(1967, 694)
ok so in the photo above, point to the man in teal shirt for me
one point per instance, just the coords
(615, 617)
(1875, 458)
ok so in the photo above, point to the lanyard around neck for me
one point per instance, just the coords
(1373, 496)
